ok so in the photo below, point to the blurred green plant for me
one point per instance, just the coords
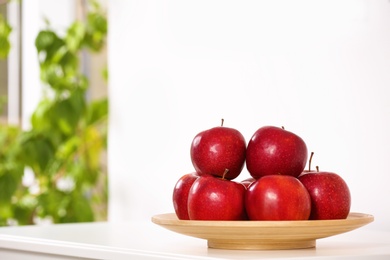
(54, 170)
(5, 31)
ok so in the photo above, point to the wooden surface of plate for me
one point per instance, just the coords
(262, 235)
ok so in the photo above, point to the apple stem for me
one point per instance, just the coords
(283, 127)
(224, 174)
(318, 168)
(311, 157)
(222, 120)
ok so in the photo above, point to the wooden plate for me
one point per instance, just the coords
(259, 235)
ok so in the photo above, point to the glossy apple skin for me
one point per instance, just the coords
(217, 149)
(213, 198)
(277, 197)
(273, 150)
(330, 195)
(180, 195)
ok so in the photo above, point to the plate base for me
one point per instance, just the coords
(252, 244)
(262, 235)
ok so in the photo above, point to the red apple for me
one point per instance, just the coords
(180, 195)
(274, 150)
(217, 149)
(277, 197)
(330, 195)
(214, 198)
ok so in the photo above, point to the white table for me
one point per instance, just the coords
(145, 240)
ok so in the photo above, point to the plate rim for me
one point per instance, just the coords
(171, 219)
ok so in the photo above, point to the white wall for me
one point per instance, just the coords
(319, 68)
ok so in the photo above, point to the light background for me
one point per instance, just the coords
(319, 68)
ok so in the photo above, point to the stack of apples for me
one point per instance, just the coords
(279, 188)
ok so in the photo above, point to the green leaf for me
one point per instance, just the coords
(66, 113)
(5, 31)
(79, 209)
(24, 208)
(39, 117)
(61, 115)
(8, 185)
(75, 36)
(68, 148)
(51, 203)
(98, 22)
(6, 212)
(95, 143)
(3, 102)
(37, 151)
(97, 111)
(105, 74)
(61, 76)
(45, 40)
(96, 31)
